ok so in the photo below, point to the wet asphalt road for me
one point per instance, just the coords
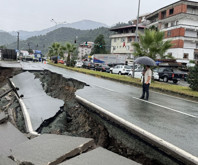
(170, 118)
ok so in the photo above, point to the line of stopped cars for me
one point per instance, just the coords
(160, 73)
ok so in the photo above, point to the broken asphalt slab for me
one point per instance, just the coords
(3, 117)
(6, 161)
(99, 156)
(40, 106)
(50, 149)
(9, 137)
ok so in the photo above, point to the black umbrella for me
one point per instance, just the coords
(145, 61)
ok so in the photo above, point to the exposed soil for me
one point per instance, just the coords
(9, 103)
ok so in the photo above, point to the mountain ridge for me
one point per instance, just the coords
(81, 25)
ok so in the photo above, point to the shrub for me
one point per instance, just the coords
(193, 77)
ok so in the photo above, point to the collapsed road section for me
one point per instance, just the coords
(76, 119)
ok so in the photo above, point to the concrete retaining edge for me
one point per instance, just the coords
(163, 145)
(28, 123)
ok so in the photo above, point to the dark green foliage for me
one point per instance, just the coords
(193, 77)
(63, 35)
(3, 47)
(121, 24)
(151, 44)
(99, 45)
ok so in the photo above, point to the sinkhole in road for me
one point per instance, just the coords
(76, 120)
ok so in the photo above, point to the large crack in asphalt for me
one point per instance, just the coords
(76, 120)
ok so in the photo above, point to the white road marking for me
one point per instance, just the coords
(171, 109)
(175, 97)
(105, 88)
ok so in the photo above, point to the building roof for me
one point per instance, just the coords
(127, 27)
(171, 5)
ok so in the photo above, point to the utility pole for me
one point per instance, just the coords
(136, 36)
(18, 41)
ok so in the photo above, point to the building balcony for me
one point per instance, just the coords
(123, 35)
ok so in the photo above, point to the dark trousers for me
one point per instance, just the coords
(145, 89)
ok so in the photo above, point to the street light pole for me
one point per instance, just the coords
(136, 36)
(18, 41)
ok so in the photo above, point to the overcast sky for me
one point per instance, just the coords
(31, 15)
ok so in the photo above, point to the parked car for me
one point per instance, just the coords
(79, 64)
(60, 61)
(182, 75)
(138, 73)
(112, 65)
(88, 65)
(167, 74)
(121, 69)
(102, 68)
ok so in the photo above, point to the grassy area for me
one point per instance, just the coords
(160, 86)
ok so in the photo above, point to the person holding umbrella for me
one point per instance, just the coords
(147, 75)
(146, 82)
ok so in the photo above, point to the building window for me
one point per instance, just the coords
(172, 24)
(163, 14)
(122, 39)
(169, 33)
(185, 56)
(171, 11)
(129, 39)
(196, 56)
(114, 39)
(166, 25)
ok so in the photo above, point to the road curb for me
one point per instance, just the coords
(163, 145)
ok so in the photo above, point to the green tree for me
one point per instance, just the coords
(151, 44)
(3, 47)
(70, 48)
(99, 45)
(56, 49)
(193, 77)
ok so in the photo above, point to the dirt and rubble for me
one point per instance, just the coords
(9, 103)
(76, 120)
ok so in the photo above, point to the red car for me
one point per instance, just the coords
(60, 61)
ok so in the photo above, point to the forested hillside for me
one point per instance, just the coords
(6, 38)
(63, 35)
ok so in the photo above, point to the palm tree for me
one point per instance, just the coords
(56, 49)
(151, 44)
(70, 48)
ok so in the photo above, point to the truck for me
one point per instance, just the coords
(167, 74)
(108, 58)
(8, 54)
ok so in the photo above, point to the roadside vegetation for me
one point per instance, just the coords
(156, 85)
(151, 44)
(193, 78)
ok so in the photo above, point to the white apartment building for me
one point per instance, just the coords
(122, 39)
(179, 21)
(85, 49)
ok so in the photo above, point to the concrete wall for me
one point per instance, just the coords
(178, 53)
(191, 33)
(122, 45)
(188, 44)
(189, 22)
(192, 11)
